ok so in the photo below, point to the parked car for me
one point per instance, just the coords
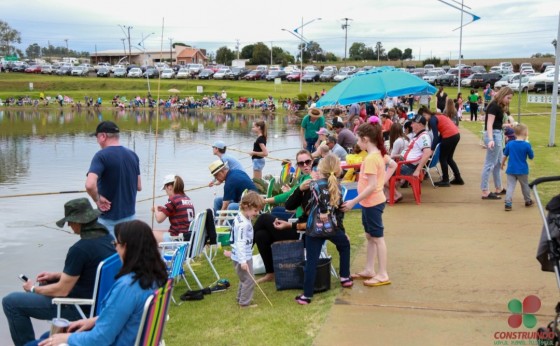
(544, 66)
(81, 71)
(342, 75)
(135, 72)
(222, 73)
(291, 68)
(481, 79)
(206, 74)
(505, 80)
(119, 72)
(237, 73)
(19, 67)
(167, 73)
(254, 75)
(543, 77)
(294, 76)
(311, 76)
(101, 65)
(272, 75)
(527, 70)
(89, 68)
(478, 69)
(429, 66)
(33, 69)
(523, 87)
(183, 73)
(419, 72)
(195, 68)
(64, 70)
(334, 69)
(508, 66)
(114, 67)
(103, 72)
(327, 76)
(431, 76)
(467, 81)
(447, 79)
(46, 69)
(544, 86)
(151, 72)
(526, 65)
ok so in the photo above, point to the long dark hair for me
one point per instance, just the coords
(141, 256)
(375, 135)
(395, 133)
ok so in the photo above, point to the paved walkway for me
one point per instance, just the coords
(455, 262)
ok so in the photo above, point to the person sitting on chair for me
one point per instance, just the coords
(418, 150)
(76, 280)
(142, 272)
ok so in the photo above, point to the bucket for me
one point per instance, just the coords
(322, 275)
(223, 239)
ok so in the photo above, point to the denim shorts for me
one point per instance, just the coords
(372, 221)
(258, 164)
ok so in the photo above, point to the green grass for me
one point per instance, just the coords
(217, 320)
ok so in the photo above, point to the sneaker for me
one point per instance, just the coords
(457, 181)
(302, 300)
(529, 203)
(508, 207)
(442, 183)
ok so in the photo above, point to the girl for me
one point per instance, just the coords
(179, 209)
(372, 199)
(143, 271)
(493, 138)
(259, 148)
(451, 112)
(473, 104)
(329, 203)
(459, 106)
(398, 141)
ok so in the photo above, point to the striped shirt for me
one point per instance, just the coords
(180, 211)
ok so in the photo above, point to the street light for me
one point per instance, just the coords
(299, 35)
(126, 32)
(141, 45)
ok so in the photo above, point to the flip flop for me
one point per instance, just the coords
(377, 283)
(491, 195)
(360, 276)
(503, 192)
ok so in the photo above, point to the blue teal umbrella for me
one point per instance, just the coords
(375, 84)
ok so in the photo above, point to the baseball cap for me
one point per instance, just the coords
(169, 179)
(219, 145)
(322, 131)
(106, 127)
(419, 119)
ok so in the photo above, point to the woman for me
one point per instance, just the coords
(121, 311)
(451, 112)
(473, 104)
(398, 141)
(446, 134)
(493, 139)
(259, 148)
(441, 99)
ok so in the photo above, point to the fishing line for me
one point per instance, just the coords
(42, 194)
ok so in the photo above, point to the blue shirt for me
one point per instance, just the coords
(236, 182)
(517, 152)
(119, 320)
(231, 162)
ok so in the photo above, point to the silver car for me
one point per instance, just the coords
(135, 72)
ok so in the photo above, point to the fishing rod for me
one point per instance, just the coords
(237, 150)
(42, 194)
(191, 189)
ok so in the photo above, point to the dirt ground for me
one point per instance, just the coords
(455, 262)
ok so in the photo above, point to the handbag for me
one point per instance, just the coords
(315, 226)
(286, 258)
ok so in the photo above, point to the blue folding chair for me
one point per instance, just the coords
(432, 163)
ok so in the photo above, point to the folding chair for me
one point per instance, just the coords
(432, 163)
(174, 254)
(150, 332)
(267, 208)
(223, 219)
(104, 280)
(415, 183)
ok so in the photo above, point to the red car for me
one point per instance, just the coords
(33, 69)
(294, 76)
(254, 75)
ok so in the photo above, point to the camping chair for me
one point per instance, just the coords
(174, 255)
(267, 208)
(150, 332)
(415, 183)
(104, 280)
(432, 163)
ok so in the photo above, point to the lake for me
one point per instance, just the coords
(49, 151)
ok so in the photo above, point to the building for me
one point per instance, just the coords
(189, 55)
(180, 55)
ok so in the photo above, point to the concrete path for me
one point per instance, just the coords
(455, 262)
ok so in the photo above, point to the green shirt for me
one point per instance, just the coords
(473, 98)
(283, 197)
(310, 127)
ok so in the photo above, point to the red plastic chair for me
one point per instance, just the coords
(415, 183)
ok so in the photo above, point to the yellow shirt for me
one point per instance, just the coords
(352, 159)
(373, 167)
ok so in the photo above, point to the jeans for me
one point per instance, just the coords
(523, 180)
(311, 144)
(446, 151)
(492, 162)
(110, 224)
(218, 201)
(313, 248)
(20, 307)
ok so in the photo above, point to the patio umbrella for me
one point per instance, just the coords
(174, 91)
(375, 84)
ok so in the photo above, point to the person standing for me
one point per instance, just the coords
(473, 104)
(310, 124)
(113, 178)
(493, 139)
(259, 148)
(441, 99)
(518, 151)
(487, 95)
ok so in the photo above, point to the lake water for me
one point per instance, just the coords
(50, 151)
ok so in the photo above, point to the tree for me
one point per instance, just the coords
(369, 54)
(247, 52)
(261, 54)
(33, 51)
(224, 55)
(356, 51)
(395, 54)
(407, 54)
(279, 56)
(7, 37)
(433, 60)
(330, 57)
(379, 51)
(314, 51)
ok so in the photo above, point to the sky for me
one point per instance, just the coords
(507, 28)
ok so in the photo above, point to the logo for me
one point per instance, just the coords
(523, 313)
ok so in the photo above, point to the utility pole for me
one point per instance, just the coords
(66, 40)
(345, 28)
(271, 61)
(123, 46)
(126, 31)
(170, 50)
(237, 47)
(378, 48)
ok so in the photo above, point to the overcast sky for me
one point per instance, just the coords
(507, 28)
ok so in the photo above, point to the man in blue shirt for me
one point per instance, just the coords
(236, 182)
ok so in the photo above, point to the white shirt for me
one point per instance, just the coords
(242, 245)
(419, 143)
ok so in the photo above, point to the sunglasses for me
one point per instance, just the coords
(304, 163)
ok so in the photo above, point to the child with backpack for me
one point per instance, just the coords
(517, 170)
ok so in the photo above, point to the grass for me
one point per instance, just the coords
(217, 320)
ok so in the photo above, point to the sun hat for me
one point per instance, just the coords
(315, 112)
(169, 179)
(106, 127)
(322, 131)
(216, 166)
(78, 210)
(219, 145)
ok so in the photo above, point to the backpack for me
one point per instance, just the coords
(320, 196)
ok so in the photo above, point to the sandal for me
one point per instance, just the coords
(347, 283)
(361, 276)
(302, 300)
(502, 192)
(491, 195)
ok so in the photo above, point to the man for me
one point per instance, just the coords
(113, 178)
(236, 182)
(310, 124)
(354, 110)
(336, 148)
(75, 281)
(487, 95)
(345, 137)
(419, 150)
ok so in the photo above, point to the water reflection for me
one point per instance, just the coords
(14, 159)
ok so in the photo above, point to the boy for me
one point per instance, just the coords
(242, 246)
(518, 151)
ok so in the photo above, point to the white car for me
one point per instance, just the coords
(516, 87)
(342, 75)
(195, 68)
(431, 76)
(135, 72)
(222, 73)
(467, 81)
(525, 64)
(505, 80)
(543, 77)
(114, 67)
(183, 73)
(167, 73)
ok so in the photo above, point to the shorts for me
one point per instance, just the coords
(167, 237)
(372, 221)
(258, 164)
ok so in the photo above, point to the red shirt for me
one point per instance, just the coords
(180, 211)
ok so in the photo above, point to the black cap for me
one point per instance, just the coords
(338, 124)
(106, 127)
(419, 119)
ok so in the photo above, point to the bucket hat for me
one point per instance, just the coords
(78, 210)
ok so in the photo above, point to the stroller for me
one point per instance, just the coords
(548, 254)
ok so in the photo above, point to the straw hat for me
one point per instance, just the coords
(315, 112)
(216, 166)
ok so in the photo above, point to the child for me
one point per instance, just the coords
(259, 148)
(179, 209)
(372, 199)
(518, 151)
(242, 246)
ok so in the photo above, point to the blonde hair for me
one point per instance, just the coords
(324, 149)
(251, 200)
(520, 130)
(329, 167)
(501, 95)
